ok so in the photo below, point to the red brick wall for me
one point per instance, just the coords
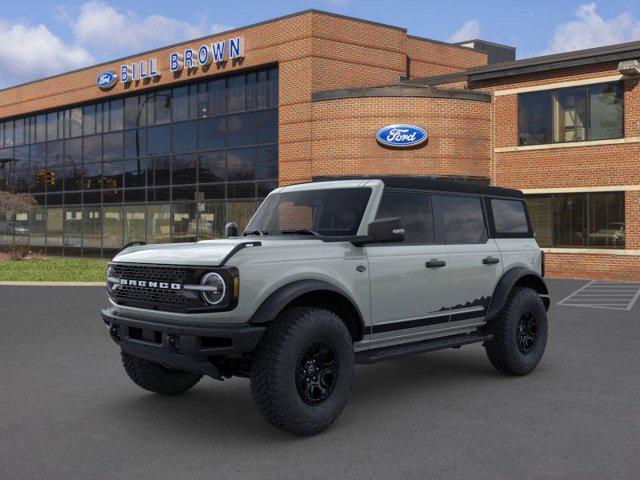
(593, 267)
(344, 136)
(429, 58)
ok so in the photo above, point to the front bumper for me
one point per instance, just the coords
(182, 346)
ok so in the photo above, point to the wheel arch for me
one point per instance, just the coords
(516, 277)
(316, 293)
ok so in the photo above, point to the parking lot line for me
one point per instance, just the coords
(597, 294)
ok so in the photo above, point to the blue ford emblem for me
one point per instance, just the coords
(401, 136)
(106, 80)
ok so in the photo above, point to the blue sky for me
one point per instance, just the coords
(42, 37)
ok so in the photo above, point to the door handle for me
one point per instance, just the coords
(490, 260)
(435, 263)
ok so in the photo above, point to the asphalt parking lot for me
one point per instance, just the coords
(67, 409)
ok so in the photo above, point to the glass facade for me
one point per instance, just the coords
(173, 164)
(578, 220)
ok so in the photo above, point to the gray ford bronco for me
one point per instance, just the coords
(327, 275)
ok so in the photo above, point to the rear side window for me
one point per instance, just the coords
(509, 216)
(463, 219)
(415, 211)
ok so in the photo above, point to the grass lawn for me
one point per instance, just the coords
(54, 270)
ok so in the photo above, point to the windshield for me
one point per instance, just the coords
(324, 212)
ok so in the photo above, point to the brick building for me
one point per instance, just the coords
(170, 144)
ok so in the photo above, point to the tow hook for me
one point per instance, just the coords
(172, 343)
(114, 332)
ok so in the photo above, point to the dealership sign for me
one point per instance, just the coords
(401, 136)
(189, 59)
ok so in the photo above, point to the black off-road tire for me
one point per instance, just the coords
(275, 370)
(503, 350)
(156, 378)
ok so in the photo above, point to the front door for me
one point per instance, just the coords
(475, 260)
(409, 280)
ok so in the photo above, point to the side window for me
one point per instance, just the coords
(463, 219)
(415, 211)
(509, 216)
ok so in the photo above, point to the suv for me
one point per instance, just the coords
(327, 275)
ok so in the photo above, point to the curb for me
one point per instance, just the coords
(54, 284)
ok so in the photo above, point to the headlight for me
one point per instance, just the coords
(214, 288)
(111, 281)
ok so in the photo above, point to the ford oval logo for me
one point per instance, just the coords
(106, 80)
(401, 136)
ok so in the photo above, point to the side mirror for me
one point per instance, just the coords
(231, 230)
(386, 230)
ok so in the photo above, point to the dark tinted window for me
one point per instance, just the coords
(463, 219)
(509, 216)
(415, 211)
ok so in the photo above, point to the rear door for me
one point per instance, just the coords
(409, 280)
(474, 258)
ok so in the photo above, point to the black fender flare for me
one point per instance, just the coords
(516, 275)
(283, 296)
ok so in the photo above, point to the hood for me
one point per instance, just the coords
(205, 253)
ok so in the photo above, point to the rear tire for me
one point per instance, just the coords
(519, 333)
(302, 370)
(156, 378)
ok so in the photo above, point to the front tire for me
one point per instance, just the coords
(156, 378)
(519, 333)
(302, 370)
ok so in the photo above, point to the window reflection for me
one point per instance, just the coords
(158, 223)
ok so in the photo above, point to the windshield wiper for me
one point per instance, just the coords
(255, 232)
(301, 231)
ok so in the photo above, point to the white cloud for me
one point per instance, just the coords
(29, 52)
(589, 29)
(469, 31)
(107, 31)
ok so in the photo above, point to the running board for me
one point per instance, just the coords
(423, 346)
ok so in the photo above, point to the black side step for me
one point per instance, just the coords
(406, 349)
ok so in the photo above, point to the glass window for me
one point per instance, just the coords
(37, 226)
(101, 117)
(135, 195)
(112, 146)
(215, 97)
(534, 118)
(75, 122)
(52, 126)
(241, 190)
(606, 111)
(250, 91)
(261, 89)
(592, 112)
(241, 213)
(135, 143)
(89, 115)
(55, 167)
(158, 140)
(184, 222)
(415, 211)
(463, 220)
(158, 171)
(112, 175)
(158, 223)
(41, 128)
(211, 167)
(162, 106)
(134, 173)
(184, 137)
(509, 216)
(91, 228)
(72, 230)
(272, 88)
(328, 211)
(241, 129)
(21, 169)
(213, 191)
(37, 168)
(134, 223)
(92, 149)
(54, 231)
(130, 115)
(180, 104)
(541, 215)
(268, 126)
(211, 133)
(92, 176)
(112, 228)
(570, 115)
(211, 224)
(267, 163)
(235, 93)
(606, 220)
(241, 164)
(116, 118)
(184, 169)
(19, 132)
(8, 134)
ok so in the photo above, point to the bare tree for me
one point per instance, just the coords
(16, 202)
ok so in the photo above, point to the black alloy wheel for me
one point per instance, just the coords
(527, 332)
(316, 372)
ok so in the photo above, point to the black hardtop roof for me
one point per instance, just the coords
(430, 183)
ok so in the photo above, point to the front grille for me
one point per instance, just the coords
(151, 298)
